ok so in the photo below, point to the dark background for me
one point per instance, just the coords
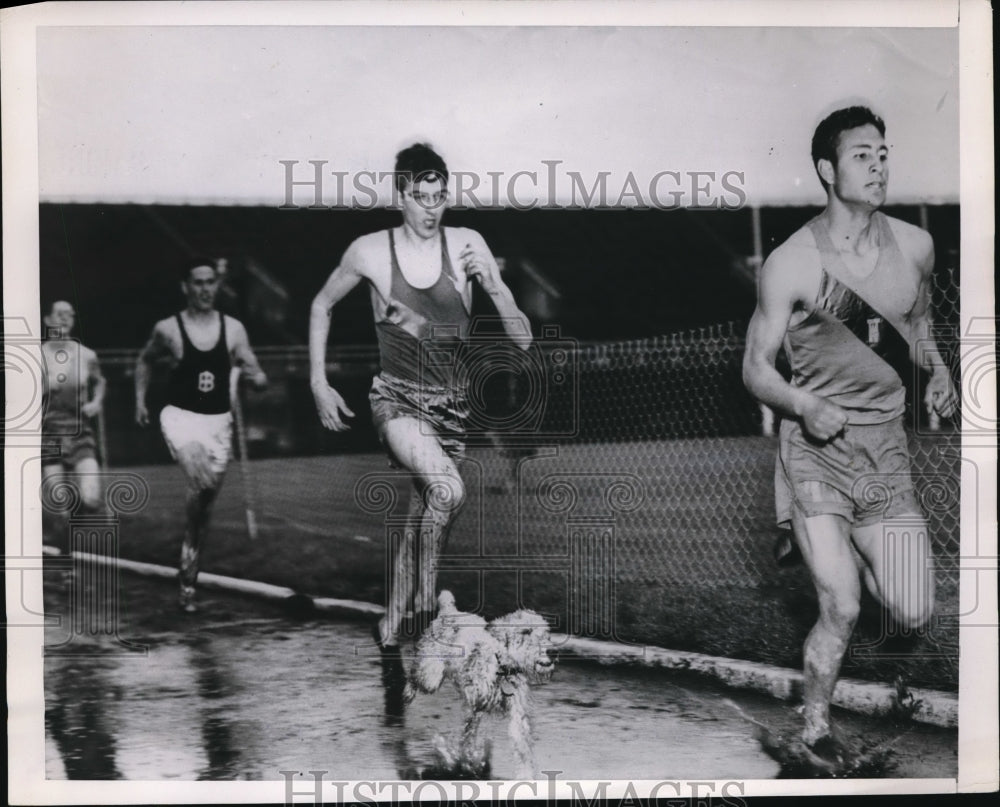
(612, 280)
(620, 273)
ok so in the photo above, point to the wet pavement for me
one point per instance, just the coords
(243, 690)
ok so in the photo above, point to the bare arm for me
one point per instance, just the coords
(329, 403)
(157, 347)
(97, 385)
(244, 356)
(779, 290)
(940, 394)
(478, 262)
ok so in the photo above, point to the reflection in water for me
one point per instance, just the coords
(217, 727)
(393, 683)
(245, 703)
(77, 719)
(433, 760)
(169, 715)
(223, 758)
(393, 738)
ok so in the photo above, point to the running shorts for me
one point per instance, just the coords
(67, 441)
(182, 427)
(443, 410)
(862, 475)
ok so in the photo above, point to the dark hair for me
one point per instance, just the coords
(193, 263)
(827, 135)
(418, 163)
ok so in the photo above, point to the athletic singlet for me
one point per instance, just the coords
(65, 389)
(846, 351)
(200, 381)
(419, 328)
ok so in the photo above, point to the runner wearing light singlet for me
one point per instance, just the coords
(848, 296)
(419, 277)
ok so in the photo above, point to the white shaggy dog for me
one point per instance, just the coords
(492, 665)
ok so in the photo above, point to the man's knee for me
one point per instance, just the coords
(914, 611)
(900, 555)
(446, 494)
(192, 455)
(840, 609)
(91, 498)
(915, 618)
(197, 466)
(90, 488)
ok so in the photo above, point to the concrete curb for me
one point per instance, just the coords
(929, 706)
(235, 584)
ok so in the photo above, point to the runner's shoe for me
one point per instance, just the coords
(387, 650)
(186, 601)
(830, 755)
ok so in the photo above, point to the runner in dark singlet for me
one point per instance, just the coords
(199, 382)
(847, 296)
(419, 277)
(203, 345)
(73, 392)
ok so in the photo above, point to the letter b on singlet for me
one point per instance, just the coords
(206, 381)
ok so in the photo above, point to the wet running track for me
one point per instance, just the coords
(243, 690)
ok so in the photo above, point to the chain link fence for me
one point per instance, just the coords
(625, 489)
(669, 420)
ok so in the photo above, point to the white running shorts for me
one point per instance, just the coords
(215, 432)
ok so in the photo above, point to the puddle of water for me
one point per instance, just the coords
(252, 698)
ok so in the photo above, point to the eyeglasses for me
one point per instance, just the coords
(428, 199)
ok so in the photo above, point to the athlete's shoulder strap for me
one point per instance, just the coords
(834, 267)
(394, 261)
(222, 332)
(446, 267)
(185, 339)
